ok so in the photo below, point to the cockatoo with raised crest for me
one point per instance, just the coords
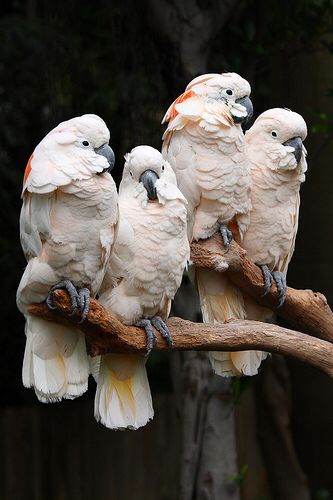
(204, 144)
(145, 271)
(67, 225)
(277, 157)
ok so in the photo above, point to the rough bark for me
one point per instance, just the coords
(105, 333)
(304, 310)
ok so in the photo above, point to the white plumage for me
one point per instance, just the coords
(204, 144)
(144, 274)
(67, 226)
(270, 237)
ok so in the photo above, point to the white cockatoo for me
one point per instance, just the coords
(144, 273)
(67, 224)
(274, 148)
(204, 144)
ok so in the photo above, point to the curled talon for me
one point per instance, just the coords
(70, 289)
(84, 302)
(268, 279)
(151, 337)
(281, 285)
(161, 327)
(226, 236)
(280, 281)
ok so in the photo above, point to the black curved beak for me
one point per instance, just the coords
(247, 103)
(148, 179)
(107, 152)
(297, 144)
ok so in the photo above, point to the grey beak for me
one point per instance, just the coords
(148, 179)
(247, 103)
(297, 144)
(107, 152)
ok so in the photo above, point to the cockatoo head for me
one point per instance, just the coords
(149, 176)
(276, 137)
(85, 137)
(229, 88)
(74, 150)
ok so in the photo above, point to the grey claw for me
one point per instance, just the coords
(151, 337)
(281, 285)
(161, 327)
(49, 301)
(226, 236)
(71, 290)
(268, 279)
(84, 302)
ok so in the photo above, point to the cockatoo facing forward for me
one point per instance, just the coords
(144, 273)
(274, 147)
(67, 225)
(204, 144)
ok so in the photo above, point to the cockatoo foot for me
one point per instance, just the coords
(84, 302)
(268, 279)
(72, 292)
(281, 285)
(161, 327)
(151, 337)
(280, 281)
(226, 236)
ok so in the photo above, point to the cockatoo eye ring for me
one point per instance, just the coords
(274, 133)
(85, 143)
(229, 92)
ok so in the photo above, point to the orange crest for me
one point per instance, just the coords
(27, 170)
(186, 95)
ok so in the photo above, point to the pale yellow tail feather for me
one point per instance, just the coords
(123, 398)
(221, 301)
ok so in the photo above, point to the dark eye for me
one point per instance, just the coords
(229, 92)
(274, 133)
(131, 174)
(85, 143)
(162, 168)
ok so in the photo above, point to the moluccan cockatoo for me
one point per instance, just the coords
(204, 144)
(274, 148)
(67, 225)
(144, 273)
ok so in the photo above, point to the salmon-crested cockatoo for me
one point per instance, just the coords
(204, 144)
(274, 147)
(67, 225)
(144, 273)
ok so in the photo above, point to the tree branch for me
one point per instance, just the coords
(304, 310)
(106, 334)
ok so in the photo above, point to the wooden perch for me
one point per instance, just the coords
(304, 310)
(106, 334)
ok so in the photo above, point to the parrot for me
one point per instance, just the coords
(274, 148)
(68, 225)
(204, 144)
(144, 272)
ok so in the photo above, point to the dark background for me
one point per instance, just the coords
(126, 61)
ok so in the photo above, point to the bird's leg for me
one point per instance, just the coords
(281, 285)
(151, 337)
(280, 281)
(268, 278)
(161, 327)
(226, 236)
(84, 302)
(71, 290)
